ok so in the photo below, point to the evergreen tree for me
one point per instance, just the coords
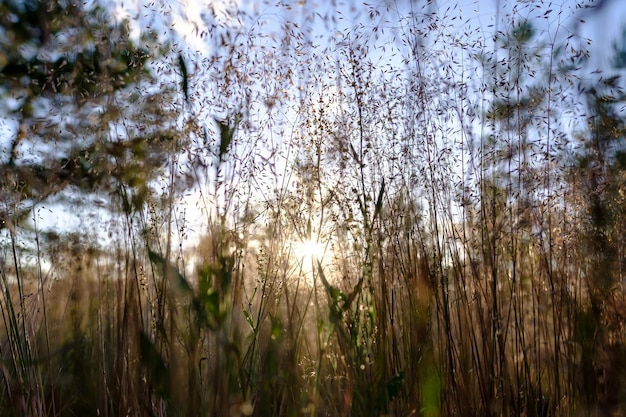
(599, 175)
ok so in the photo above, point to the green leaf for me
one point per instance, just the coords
(277, 329)
(249, 319)
(371, 311)
(379, 200)
(431, 394)
(170, 271)
(336, 294)
(156, 368)
(183, 72)
(226, 135)
(205, 281)
(394, 385)
(227, 263)
(211, 304)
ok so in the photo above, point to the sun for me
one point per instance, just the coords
(309, 249)
(309, 255)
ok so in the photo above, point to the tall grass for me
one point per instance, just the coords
(473, 251)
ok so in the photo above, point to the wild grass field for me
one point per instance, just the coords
(402, 213)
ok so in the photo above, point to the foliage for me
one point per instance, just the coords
(76, 119)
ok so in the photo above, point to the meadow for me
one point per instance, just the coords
(402, 220)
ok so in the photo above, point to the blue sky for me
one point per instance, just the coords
(187, 21)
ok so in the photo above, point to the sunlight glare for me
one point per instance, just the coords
(308, 253)
(309, 249)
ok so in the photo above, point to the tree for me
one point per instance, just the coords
(83, 108)
(599, 176)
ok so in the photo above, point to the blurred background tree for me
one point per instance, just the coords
(82, 108)
(598, 175)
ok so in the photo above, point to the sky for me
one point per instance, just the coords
(188, 24)
(606, 25)
(185, 17)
